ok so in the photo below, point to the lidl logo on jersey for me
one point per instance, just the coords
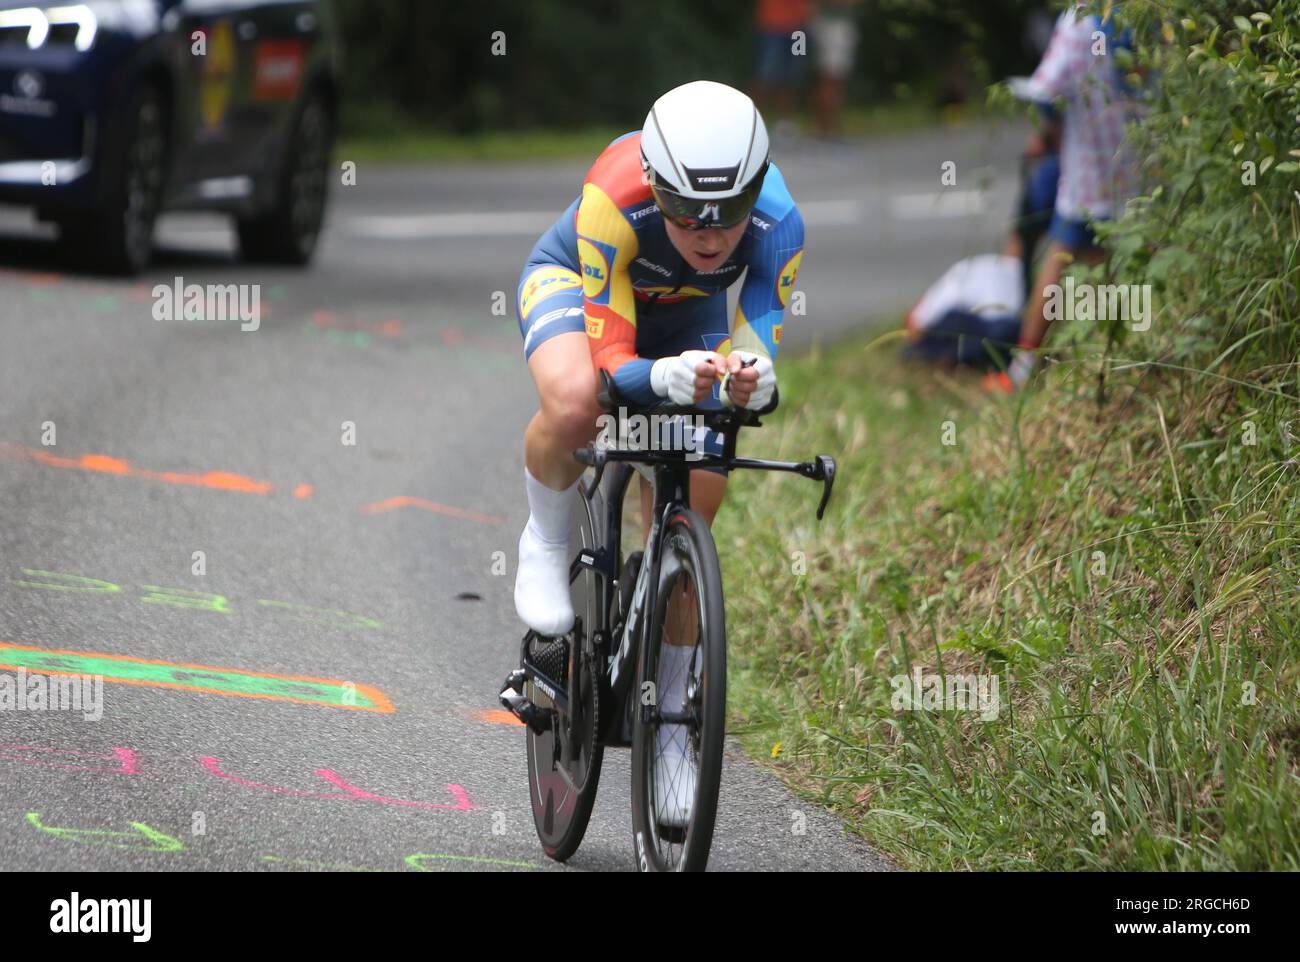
(544, 282)
(596, 259)
(785, 279)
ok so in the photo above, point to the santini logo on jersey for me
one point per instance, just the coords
(657, 268)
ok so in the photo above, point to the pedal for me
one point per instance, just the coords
(514, 700)
(514, 683)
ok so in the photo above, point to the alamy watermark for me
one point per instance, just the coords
(652, 432)
(36, 692)
(951, 692)
(127, 916)
(210, 302)
(1099, 302)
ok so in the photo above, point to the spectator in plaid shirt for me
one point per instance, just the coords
(1096, 168)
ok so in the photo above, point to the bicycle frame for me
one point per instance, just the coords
(671, 486)
(669, 475)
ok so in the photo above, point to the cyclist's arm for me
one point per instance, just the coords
(606, 245)
(773, 266)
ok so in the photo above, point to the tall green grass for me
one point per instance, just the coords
(1118, 545)
(1133, 586)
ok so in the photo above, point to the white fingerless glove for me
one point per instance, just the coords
(762, 394)
(674, 377)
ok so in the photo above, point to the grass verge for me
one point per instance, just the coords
(1126, 574)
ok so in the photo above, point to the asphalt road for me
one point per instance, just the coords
(372, 570)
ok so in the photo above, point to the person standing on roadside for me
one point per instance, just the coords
(1097, 171)
(778, 66)
(835, 39)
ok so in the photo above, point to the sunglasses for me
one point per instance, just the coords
(694, 213)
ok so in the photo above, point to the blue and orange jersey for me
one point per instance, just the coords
(613, 236)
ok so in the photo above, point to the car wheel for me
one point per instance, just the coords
(118, 237)
(287, 234)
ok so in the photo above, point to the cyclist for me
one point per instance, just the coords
(632, 280)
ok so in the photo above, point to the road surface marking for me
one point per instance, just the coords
(106, 464)
(939, 205)
(236, 682)
(530, 223)
(486, 224)
(403, 501)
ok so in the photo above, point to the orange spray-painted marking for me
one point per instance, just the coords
(403, 501)
(104, 464)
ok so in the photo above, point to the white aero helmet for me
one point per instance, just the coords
(704, 150)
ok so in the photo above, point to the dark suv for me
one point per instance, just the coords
(113, 110)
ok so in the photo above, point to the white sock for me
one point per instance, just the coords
(548, 510)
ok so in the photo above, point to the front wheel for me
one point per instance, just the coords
(680, 717)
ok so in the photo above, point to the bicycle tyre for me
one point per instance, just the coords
(688, 551)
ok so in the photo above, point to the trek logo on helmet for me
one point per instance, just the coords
(712, 178)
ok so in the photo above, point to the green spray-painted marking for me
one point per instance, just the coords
(188, 598)
(417, 861)
(330, 614)
(184, 598)
(80, 583)
(157, 841)
(217, 680)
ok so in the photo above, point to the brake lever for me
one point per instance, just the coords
(826, 470)
(592, 457)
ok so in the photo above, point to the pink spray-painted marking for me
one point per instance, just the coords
(350, 792)
(126, 759)
(127, 763)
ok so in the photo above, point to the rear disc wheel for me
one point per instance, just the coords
(564, 761)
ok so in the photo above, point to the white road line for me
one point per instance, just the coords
(529, 222)
(938, 205)
(828, 213)
(428, 226)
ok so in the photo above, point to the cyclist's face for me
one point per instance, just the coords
(705, 250)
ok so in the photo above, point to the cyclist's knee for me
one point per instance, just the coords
(571, 410)
(707, 491)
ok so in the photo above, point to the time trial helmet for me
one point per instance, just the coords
(704, 150)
